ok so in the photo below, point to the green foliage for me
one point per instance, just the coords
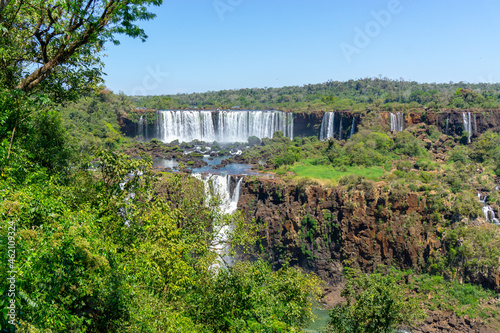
(367, 94)
(253, 298)
(306, 169)
(49, 143)
(56, 48)
(462, 299)
(289, 157)
(374, 303)
(253, 141)
(473, 248)
(407, 144)
(466, 204)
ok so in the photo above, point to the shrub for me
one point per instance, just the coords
(407, 144)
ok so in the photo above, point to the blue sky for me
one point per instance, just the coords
(208, 45)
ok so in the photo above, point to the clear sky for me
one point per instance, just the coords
(208, 45)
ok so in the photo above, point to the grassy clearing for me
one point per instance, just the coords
(307, 169)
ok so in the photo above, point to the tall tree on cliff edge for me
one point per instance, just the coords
(50, 51)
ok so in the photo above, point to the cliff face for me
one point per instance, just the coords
(318, 228)
(451, 122)
(307, 124)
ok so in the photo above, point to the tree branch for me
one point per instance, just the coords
(66, 51)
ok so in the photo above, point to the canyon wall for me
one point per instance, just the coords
(368, 225)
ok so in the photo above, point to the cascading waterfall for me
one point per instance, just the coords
(466, 116)
(397, 122)
(184, 126)
(488, 212)
(142, 128)
(340, 128)
(326, 130)
(221, 126)
(227, 188)
(447, 124)
(353, 126)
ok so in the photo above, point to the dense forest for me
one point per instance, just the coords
(354, 95)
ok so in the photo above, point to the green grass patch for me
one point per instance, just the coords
(306, 168)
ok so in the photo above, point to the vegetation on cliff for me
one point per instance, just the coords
(353, 95)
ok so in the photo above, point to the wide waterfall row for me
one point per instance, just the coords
(328, 123)
(221, 126)
(397, 122)
(467, 118)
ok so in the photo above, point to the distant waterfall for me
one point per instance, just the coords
(330, 121)
(447, 124)
(466, 116)
(142, 128)
(221, 126)
(397, 122)
(237, 126)
(327, 123)
(488, 212)
(340, 128)
(227, 188)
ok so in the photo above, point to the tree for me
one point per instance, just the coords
(59, 41)
(374, 303)
(49, 51)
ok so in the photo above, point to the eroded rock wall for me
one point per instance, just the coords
(318, 228)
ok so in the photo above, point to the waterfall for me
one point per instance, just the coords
(185, 126)
(221, 126)
(466, 116)
(227, 188)
(353, 126)
(340, 128)
(327, 123)
(397, 122)
(447, 123)
(488, 212)
(142, 128)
